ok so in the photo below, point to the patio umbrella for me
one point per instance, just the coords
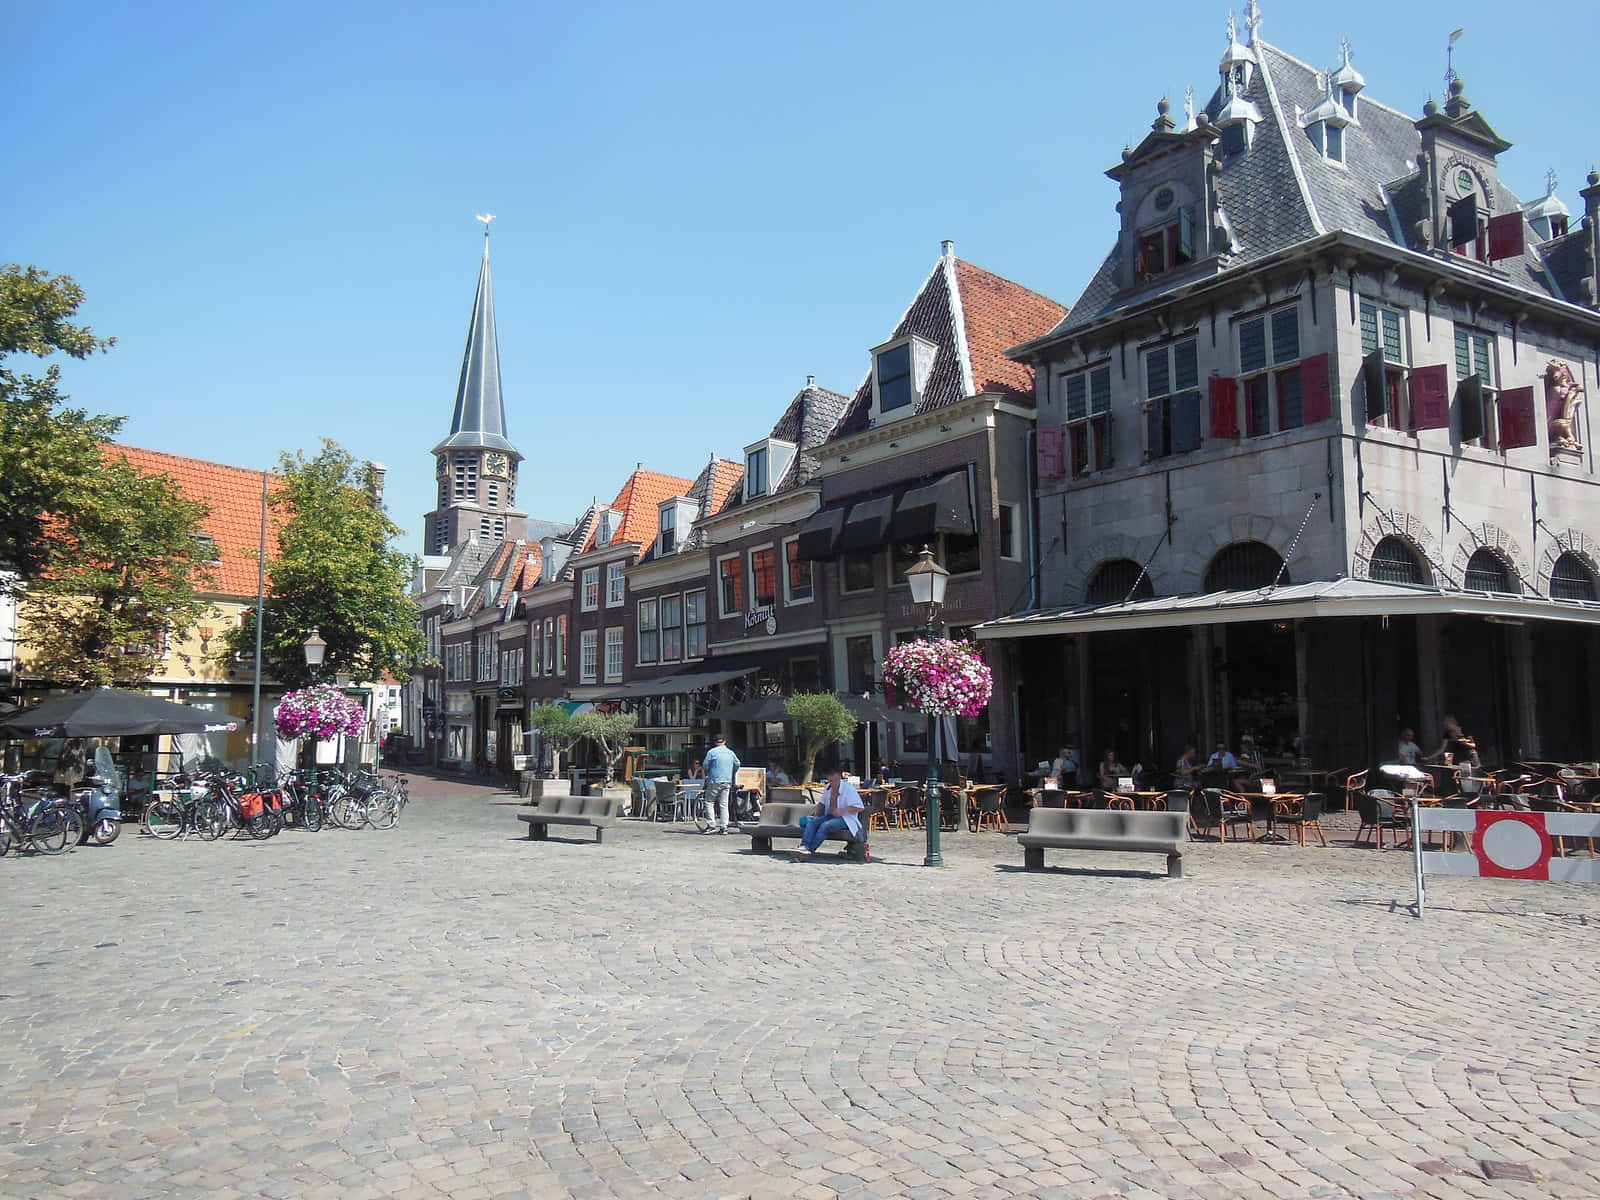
(759, 709)
(107, 712)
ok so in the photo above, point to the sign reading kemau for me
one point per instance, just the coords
(1504, 845)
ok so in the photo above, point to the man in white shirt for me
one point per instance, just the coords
(839, 808)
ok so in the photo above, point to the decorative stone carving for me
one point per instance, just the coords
(1563, 397)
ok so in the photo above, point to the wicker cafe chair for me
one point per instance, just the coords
(991, 806)
(1378, 812)
(1236, 811)
(1309, 816)
(1205, 811)
(1354, 784)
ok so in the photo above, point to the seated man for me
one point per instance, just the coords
(1223, 757)
(839, 808)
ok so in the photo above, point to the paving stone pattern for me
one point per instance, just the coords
(452, 1010)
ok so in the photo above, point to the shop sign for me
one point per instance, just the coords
(765, 616)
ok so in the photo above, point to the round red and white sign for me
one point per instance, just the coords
(1512, 845)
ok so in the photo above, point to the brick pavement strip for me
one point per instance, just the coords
(452, 1010)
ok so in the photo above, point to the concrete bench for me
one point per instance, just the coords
(781, 819)
(589, 812)
(1105, 829)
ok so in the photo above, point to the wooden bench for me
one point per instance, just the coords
(586, 812)
(1105, 829)
(781, 819)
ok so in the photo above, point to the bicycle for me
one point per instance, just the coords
(182, 806)
(32, 818)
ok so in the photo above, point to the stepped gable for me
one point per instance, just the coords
(234, 495)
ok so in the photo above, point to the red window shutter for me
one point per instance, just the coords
(1517, 425)
(1049, 451)
(1505, 236)
(1429, 389)
(1316, 396)
(1224, 407)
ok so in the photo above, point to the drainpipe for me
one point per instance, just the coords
(1032, 469)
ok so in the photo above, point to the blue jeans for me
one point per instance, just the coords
(815, 830)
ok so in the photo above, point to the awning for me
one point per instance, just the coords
(867, 526)
(943, 506)
(819, 536)
(1323, 598)
(704, 676)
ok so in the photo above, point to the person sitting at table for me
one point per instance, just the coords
(777, 776)
(1408, 751)
(1110, 770)
(1064, 768)
(1184, 770)
(1249, 758)
(1460, 748)
(1223, 757)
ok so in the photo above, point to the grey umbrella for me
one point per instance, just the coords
(106, 712)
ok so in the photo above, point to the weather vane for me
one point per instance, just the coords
(1450, 59)
(485, 218)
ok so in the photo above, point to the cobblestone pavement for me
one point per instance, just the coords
(452, 1010)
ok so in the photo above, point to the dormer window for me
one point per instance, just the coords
(900, 371)
(677, 519)
(667, 538)
(1325, 125)
(1347, 101)
(1236, 138)
(755, 471)
(1168, 241)
(1332, 142)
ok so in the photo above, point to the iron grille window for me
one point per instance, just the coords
(1113, 580)
(1242, 566)
(1571, 579)
(1394, 562)
(1488, 572)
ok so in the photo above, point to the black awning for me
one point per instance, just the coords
(943, 506)
(819, 536)
(867, 526)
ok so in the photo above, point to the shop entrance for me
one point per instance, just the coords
(1260, 686)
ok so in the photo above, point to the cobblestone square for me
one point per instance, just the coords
(452, 1010)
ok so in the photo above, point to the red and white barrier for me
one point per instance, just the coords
(1505, 845)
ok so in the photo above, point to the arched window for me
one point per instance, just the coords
(1394, 561)
(1244, 565)
(1571, 579)
(1114, 579)
(1488, 572)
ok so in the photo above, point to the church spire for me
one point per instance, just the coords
(479, 419)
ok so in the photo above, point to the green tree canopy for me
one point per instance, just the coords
(127, 574)
(820, 719)
(609, 732)
(554, 725)
(335, 572)
(47, 451)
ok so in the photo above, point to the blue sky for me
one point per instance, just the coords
(271, 206)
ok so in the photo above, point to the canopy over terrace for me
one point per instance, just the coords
(1329, 669)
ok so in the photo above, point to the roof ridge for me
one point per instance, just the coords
(1288, 143)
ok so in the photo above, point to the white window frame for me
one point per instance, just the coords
(689, 626)
(1094, 425)
(1272, 370)
(616, 585)
(872, 557)
(613, 644)
(588, 651)
(549, 665)
(790, 598)
(667, 530)
(751, 602)
(1396, 414)
(757, 464)
(677, 626)
(647, 627)
(722, 607)
(1166, 400)
(590, 578)
(1010, 549)
(1483, 361)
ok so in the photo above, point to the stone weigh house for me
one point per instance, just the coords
(1308, 460)
(1313, 461)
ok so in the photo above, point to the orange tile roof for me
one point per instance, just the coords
(639, 501)
(1001, 314)
(234, 496)
(726, 476)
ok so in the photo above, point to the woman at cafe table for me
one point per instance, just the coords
(1110, 770)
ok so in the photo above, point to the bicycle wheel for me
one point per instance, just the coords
(263, 825)
(163, 818)
(211, 819)
(311, 814)
(55, 829)
(384, 811)
(350, 811)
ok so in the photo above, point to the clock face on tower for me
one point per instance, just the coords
(495, 464)
(440, 467)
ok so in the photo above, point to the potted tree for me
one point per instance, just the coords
(554, 726)
(820, 719)
(610, 732)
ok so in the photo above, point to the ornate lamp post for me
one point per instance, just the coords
(315, 647)
(927, 581)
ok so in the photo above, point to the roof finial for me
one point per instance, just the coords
(485, 218)
(1252, 20)
(1233, 29)
(1550, 182)
(1344, 50)
(1450, 58)
(1188, 107)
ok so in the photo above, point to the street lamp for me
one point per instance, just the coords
(927, 579)
(315, 647)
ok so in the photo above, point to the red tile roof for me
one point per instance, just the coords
(727, 476)
(234, 496)
(1001, 314)
(639, 501)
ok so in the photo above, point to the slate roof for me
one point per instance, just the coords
(1282, 191)
(479, 419)
(973, 316)
(807, 422)
(234, 496)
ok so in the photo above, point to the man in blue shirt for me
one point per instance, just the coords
(720, 765)
(1221, 757)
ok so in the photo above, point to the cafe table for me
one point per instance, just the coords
(1271, 803)
(1149, 801)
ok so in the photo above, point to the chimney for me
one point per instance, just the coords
(1591, 239)
(947, 248)
(811, 380)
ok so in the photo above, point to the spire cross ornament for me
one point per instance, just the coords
(1550, 182)
(1344, 50)
(1252, 20)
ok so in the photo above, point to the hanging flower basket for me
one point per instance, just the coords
(941, 678)
(319, 712)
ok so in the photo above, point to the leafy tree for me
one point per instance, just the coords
(610, 732)
(554, 725)
(336, 573)
(47, 451)
(820, 719)
(127, 574)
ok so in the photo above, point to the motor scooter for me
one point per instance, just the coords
(100, 801)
